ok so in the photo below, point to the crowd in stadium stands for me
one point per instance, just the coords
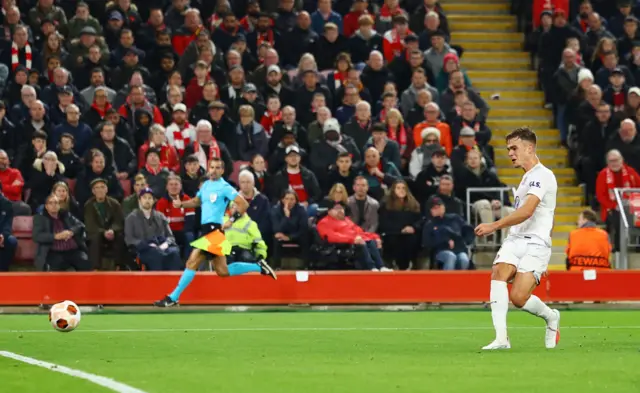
(589, 67)
(349, 126)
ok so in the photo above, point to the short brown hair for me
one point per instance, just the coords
(589, 215)
(524, 133)
(365, 20)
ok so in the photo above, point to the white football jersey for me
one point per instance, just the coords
(541, 182)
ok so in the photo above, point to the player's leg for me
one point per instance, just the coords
(526, 280)
(238, 268)
(195, 259)
(501, 273)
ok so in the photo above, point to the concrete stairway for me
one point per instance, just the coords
(496, 64)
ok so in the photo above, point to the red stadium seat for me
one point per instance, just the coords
(72, 185)
(238, 166)
(126, 186)
(26, 250)
(22, 227)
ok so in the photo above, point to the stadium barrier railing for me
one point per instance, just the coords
(473, 216)
(628, 228)
(306, 288)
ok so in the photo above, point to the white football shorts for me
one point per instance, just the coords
(525, 255)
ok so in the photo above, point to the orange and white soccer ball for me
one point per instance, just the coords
(64, 316)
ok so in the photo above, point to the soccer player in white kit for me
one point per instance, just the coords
(525, 253)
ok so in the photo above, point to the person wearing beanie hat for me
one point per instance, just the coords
(326, 150)
(583, 74)
(421, 156)
(450, 63)
(154, 172)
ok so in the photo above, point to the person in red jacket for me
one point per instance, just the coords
(169, 157)
(336, 227)
(10, 178)
(193, 93)
(350, 22)
(188, 32)
(617, 174)
(393, 40)
(181, 220)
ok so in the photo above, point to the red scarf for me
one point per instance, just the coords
(101, 112)
(269, 119)
(15, 56)
(398, 136)
(611, 181)
(153, 171)
(181, 137)
(265, 37)
(246, 24)
(339, 78)
(214, 151)
(215, 22)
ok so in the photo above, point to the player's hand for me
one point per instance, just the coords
(177, 203)
(484, 229)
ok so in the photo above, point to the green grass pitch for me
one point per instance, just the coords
(325, 352)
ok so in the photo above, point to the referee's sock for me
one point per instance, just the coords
(185, 280)
(499, 297)
(537, 307)
(237, 268)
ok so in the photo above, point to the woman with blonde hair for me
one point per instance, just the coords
(604, 46)
(400, 220)
(337, 195)
(67, 202)
(396, 131)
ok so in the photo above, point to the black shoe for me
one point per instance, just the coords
(165, 302)
(266, 269)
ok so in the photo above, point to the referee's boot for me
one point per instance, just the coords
(266, 269)
(165, 302)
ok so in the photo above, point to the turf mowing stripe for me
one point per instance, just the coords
(327, 329)
(96, 379)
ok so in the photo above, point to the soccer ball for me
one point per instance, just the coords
(64, 316)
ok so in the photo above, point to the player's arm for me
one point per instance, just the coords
(522, 214)
(241, 204)
(191, 203)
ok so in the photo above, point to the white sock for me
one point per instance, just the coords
(499, 297)
(537, 307)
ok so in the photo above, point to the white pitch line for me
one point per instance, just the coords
(96, 379)
(318, 329)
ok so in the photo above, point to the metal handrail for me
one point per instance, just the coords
(622, 257)
(483, 189)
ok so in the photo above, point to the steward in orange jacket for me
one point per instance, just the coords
(588, 246)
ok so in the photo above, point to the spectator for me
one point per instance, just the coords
(222, 127)
(9, 138)
(456, 87)
(325, 152)
(389, 9)
(67, 202)
(566, 80)
(82, 19)
(336, 195)
(81, 132)
(289, 224)
(337, 228)
(8, 242)
(117, 152)
(27, 154)
(154, 173)
(46, 172)
(36, 121)
(487, 205)
(306, 94)
(272, 115)
(439, 49)
(273, 85)
(352, 19)
(400, 221)
(428, 180)
(11, 179)
(323, 16)
(181, 220)
(388, 148)
(432, 119)
(615, 94)
(431, 23)
(101, 103)
(627, 36)
(259, 206)
(469, 118)
(147, 231)
(96, 167)
(251, 136)
(393, 40)
(341, 172)
(257, 167)
(447, 236)
(303, 39)
(467, 142)
(452, 203)
(588, 246)
(379, 174)
(316, 128)
(180, 133)
(299, 179)
(286, 124)
(364, 41)
(450, 63)
(416, 114)
(627, 143)
(586, 111)
(596, 32)
(409, 96)
(188, 32)
(610, 64)
(136, 102)
(246, 240)
(277, 159)
(168, 154)
(421, 13)
(359, 127)
(227, 33)
(104, 222)
(131, 202)
(58, 110)
(364, 209)
(348, 108)
(60, 239)
(421, 156)
(61, 84)
(617, 174)
(397, 132)
(581, 22)
(20, 51)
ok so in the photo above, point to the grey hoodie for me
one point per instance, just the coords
(436, 59)
(408, 98)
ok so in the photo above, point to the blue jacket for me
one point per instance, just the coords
(295, 226)
(344, 113)
(82, 134)
(318, 22)
(439, 230)
(259, 211)
(251, 142)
